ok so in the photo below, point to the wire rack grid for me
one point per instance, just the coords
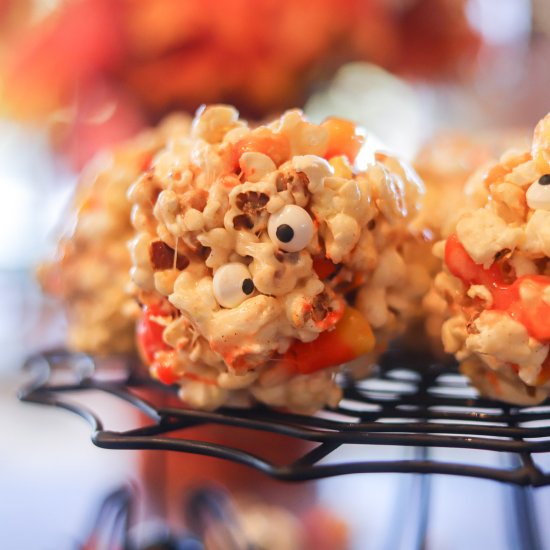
(412, 402)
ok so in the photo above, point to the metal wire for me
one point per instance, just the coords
(413, 402)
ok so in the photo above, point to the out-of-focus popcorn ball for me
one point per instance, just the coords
(214, 515)
(264, 261)
(496, 280)
(99, 65)
(90, 273)
(274, 528)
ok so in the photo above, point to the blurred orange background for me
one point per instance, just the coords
(118, 64)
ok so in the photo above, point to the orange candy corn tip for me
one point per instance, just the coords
(343, 138)
(351, 338)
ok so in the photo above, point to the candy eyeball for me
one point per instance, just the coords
(538, 194)
(290, 228)
(232, 284)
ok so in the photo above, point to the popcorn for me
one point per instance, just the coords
(501, 384)
(481, 292)
(501, 334)
(492, 328)
(483, 234)
(537, 235)
(256, 255)
(255, 166)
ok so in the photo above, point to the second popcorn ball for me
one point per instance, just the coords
(496, 279)
(264, 261)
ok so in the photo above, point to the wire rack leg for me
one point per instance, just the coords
(525, 519)
(524, 532)
(412, 510)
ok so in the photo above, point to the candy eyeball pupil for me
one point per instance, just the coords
(232, 284)
(248, 286)
(285, 233)
(291, 228)
(544, 180)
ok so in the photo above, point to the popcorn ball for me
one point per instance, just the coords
(263, 260)
(90, 274)
(496, 280)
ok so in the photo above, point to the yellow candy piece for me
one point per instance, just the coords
(355, 331)
(352, 337)
(341, 166)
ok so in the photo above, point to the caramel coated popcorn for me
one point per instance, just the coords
(264, 260)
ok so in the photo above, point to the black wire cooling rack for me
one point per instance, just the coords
(413, 402)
